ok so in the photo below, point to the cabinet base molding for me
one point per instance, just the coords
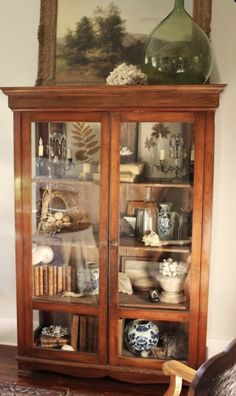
(27, 364)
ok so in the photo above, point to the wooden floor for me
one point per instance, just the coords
(85, 387)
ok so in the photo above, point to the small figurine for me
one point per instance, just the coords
(154, 295)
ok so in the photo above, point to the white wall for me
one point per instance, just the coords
(18, 47)
(19, 22)
(222, 297)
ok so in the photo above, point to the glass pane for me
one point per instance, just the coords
(67, 150)
(142, 338)
(61, 331)
(65, 211)
(156, 201)
(157, 151)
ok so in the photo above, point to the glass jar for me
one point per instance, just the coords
(177, 51)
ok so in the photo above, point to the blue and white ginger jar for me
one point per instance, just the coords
(141, 335)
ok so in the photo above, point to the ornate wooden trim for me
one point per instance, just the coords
(47, 43)
(202, 14)
(47, 35)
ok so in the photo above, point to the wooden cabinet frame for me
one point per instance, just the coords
(111, 106)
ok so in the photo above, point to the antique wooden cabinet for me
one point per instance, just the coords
(113, 195)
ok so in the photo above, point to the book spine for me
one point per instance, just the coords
(68, 278)
(54, 279)
(45, 279)
(90, 333)
(59, 279)
(82, 333)
(74, 331)
(95, 335)
(73, 279)
(50, 280)
(41, 280)
(120, 336)
(64, 277)
(36, 280)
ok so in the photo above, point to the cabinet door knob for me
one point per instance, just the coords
(103, 243)
(114, 243)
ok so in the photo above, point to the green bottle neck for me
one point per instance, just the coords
(179, 5)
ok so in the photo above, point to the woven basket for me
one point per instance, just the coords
(60, 212)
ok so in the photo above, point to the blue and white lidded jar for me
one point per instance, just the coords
(141, 335)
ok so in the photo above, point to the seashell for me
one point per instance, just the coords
(42, 253)
(66, 219)
(144, 354)
(66, 223)
(58, 215)
(125, 285)
(67, 347)
(51, 219)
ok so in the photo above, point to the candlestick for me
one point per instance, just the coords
(68, 153)
(40, 147)
(192, 155)
(162, 154)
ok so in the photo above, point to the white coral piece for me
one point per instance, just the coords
(173, 268)
(126, 75)
(151, 239)
(125, 151)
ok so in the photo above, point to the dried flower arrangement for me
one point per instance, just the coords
(171, 268)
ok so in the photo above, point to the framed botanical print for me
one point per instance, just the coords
(82, 41)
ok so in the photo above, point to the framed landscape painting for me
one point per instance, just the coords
(82, 41)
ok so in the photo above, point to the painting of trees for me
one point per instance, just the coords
(96, 45)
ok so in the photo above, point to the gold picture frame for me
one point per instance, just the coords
(47, 35)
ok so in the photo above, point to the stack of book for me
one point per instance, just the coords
(54, 336)
(49, 280)
(131, 172)
(84, 333)
(53, 342)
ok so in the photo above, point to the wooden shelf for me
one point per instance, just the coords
(70, 238)
(86, 305)
(67, 180)
(148, 183)
(142, 300)
(160, 184)
(166, 315)
(128, 354)
(130, 246)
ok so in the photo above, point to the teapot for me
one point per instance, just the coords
(167, 222)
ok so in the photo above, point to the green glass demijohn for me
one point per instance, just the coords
(177, 51)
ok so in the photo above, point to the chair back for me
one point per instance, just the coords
(217, 376)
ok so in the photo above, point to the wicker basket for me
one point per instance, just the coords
(60, 212)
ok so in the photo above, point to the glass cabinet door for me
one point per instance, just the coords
(68, 235)
(155, 234)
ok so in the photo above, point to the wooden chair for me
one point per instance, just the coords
(215, 377)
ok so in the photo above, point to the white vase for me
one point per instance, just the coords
(172, 289)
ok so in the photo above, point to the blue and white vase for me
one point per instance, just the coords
(141, 335)
(167, 222)
(88, 279)
(94, 276)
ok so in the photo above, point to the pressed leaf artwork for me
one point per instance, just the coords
(159, 130)
(86, 141)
